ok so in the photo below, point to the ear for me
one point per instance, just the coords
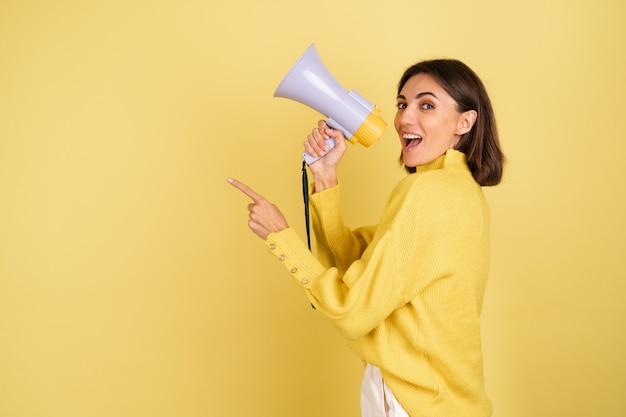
(466, 122)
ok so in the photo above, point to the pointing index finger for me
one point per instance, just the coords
(245, 189)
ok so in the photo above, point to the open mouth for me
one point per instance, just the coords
(411, 141)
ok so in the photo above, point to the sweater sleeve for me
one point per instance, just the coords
(414, 246)
(337, 245)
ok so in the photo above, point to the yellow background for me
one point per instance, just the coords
(129, 282)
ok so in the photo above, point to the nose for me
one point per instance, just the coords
(407, 116)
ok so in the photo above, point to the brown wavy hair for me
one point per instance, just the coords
(481, 144)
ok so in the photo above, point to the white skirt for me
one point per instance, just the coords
(377, 400)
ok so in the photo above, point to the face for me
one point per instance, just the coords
(427, 120)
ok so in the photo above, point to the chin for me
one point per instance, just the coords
(410, 161)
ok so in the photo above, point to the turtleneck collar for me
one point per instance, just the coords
(451, 159)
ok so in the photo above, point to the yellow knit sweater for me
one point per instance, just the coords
(407, 293)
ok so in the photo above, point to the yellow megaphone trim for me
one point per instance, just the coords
(370, 130)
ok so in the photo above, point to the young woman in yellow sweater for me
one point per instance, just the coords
(407, 293)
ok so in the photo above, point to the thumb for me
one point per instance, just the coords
(338, 136)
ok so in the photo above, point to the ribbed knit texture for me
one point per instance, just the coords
(407, 293)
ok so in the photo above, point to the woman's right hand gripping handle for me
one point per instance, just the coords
(324, 170)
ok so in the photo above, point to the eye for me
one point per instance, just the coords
(427, 106)
(401, 106)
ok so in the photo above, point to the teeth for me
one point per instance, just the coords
(411, 136)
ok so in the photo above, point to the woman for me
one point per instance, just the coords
(407, 293)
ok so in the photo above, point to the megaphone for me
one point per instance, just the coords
(309, 82)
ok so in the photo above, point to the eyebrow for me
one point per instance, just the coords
(420, 95)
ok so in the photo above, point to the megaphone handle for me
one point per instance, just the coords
(330, 142)
(310, 159)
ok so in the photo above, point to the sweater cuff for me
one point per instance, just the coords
(328, 196)
(290, 250)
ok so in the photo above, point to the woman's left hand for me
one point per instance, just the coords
(265, 217)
